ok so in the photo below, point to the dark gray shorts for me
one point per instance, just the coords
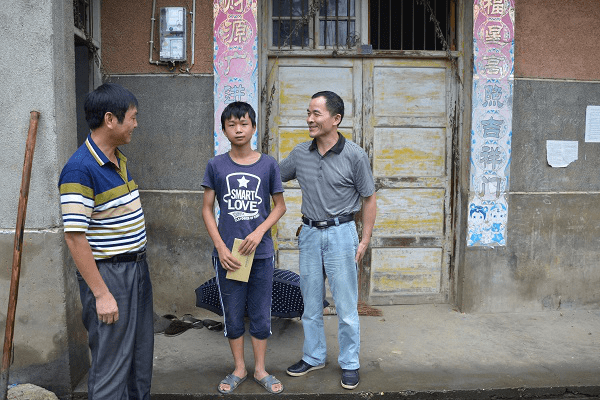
(252, 298)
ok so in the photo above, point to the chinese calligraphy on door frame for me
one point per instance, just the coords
(235, 61)
(491, 127)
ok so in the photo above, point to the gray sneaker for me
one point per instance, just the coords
(350, 378)
(302, 368)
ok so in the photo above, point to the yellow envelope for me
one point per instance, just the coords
(243, 273)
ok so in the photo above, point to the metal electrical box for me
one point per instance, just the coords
(173, 34)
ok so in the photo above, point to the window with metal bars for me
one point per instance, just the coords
(81, 15)
(393, 24)
(408, 24)
(309, 24)
(88, 63)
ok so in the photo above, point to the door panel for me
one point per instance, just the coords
(397, 272)
(416, 94)
(409, 212)
(299, 82)
(408, 136)
(409, 152)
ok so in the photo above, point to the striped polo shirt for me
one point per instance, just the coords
(332, 184)
(103, 201)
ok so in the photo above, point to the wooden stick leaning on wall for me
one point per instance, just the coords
(18, 249)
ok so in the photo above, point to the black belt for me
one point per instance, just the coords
(126, 257)
(330, 222)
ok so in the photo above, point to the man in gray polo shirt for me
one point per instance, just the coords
(335, 178)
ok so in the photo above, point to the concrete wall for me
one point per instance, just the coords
(36, 74)
(167, 157)
(550, 261)
(171, 146)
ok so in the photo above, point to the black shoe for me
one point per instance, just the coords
(350, 378)
(302, 368)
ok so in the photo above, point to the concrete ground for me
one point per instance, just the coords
(412, 351)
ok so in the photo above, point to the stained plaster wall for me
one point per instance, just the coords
(172, 144)
(550, 261)
(167, 157)
(36, 74)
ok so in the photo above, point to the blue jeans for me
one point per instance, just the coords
(122, 353)
(330, 252)
(252, 298)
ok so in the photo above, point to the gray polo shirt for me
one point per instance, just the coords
(331, 184)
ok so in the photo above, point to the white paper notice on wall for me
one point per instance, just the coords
(592, 124)
(561, 153)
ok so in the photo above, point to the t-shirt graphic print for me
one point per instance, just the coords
(242, 197)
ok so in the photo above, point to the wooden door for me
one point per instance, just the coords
(407, 132)
(398, 110)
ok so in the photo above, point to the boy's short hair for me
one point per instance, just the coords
(238, 109)
(109, 97)
(333, 102)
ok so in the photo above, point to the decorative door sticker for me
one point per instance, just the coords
(491, 129)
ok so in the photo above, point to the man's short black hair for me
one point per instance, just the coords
(109, 97)
(238, 109)
(333, 102)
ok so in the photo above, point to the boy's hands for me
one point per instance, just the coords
(228, 261)
(250, 243)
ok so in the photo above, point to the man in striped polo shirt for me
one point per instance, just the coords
(335, 178)
(106, 235)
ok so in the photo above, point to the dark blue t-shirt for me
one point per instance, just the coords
(243, 194)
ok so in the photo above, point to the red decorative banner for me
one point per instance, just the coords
(235, 60)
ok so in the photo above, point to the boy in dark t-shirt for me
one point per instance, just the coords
(241, 181)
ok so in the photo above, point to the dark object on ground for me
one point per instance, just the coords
(287, 298)
(177, 327)
(196, 323)
(161, 323)
(212, 325)
(170, 325)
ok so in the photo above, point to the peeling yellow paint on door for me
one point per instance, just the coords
(409, 212)
(414, 91)
(405, 271)
(298, 83)
(409, 152)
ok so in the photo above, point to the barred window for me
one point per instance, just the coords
(88, 64)
(393, 24)
(408, 24)
(81, 16)
(309, 24)
(337, 21)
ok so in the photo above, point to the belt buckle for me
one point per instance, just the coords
(321, 224)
